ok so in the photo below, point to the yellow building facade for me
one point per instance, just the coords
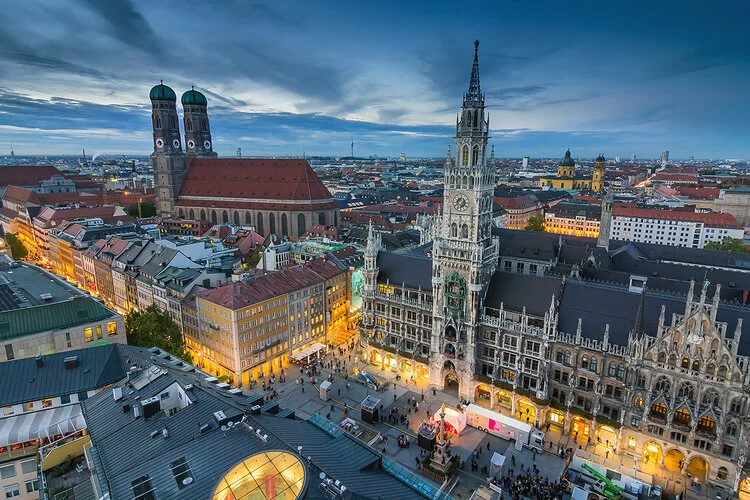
(567, 178)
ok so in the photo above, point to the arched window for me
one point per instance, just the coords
(465, 183)
(737, 406)
(189, 125)
(681, 417)
(248, 218)
(710, 369)
(191, 214)
(284, 226)
(204, 125)
(686, 391)
(301, 225)
(567, 357)
(663, 385)
(707, 424)
(224, 216)
(612, 369)
(181, 213)
(259, 224)
(722, 372)
(638, 401)
(584, 361)
(732, 429)
(157, 122)
(685, 362)
(203, 214)
(454, 230)
(662, 357)
(621, 372)
(696, 366)
(476, 117)
(672, 360)
(271, 223)
(711, 397)
(465, 231)
(659, 410)
(465, 154)
(236, 218)
(722, 474)
(475, 156)
(471, 182)
(593, 365)
(213, 217)
(322, 218)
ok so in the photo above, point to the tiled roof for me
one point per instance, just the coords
(709, 219)
(698, 193)
(514, 203)
(20, 195)
(663, 176)
(26, 175)
(275, 180)
(50, 216)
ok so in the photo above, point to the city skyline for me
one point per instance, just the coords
(592, 77)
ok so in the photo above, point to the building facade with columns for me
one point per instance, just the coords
(634, 347)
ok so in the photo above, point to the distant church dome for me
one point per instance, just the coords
(601, 159)
(162, 93)
(567, 161)
(194, 97)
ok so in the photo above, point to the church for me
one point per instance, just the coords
(608, 341)
(284, 197)
(567, 178)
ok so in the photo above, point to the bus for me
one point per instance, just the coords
(505, 427)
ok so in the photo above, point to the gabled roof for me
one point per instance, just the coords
(96, 367)
(26, 175)
(275, 180)
(20, 195)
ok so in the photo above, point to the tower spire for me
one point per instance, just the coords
(474, 97)
(638, 329)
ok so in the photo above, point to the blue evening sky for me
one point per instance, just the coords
(287, 77)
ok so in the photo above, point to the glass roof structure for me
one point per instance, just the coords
(271, 475)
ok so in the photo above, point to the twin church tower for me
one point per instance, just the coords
(170, 160)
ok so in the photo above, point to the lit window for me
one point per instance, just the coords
(111, 328)
(88, 334)
(46, 403)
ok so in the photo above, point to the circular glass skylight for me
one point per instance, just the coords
(271, 475)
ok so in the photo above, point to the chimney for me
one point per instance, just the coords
(70, 362)
(39, 360)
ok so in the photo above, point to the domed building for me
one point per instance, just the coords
(567, 178)
(284, 197)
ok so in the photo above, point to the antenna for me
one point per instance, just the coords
(352, 145)
(239, 152)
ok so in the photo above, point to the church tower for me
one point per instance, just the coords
(597, 180)
(168, 158)
(567, 167)
(605, 222)
(464, 251)
(197, 129)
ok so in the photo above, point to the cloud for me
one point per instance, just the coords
(126, 24)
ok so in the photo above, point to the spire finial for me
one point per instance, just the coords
(161, 82)
(476, 49)
(192, 87)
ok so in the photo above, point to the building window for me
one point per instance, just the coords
(32, 486)
(88, 334)
(111, 328)
(142, 489)
(8, 410)
(65, 399)
(9, 352)
(7, 471)
(12, 491)
(182, 473)
(29, 406)
(28, 466)
(99, 331)
(46, 403)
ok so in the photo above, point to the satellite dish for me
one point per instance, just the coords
(230, 424)
(322, 475)
(223, 428)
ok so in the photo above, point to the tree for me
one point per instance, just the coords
(148, 209)
(17, 249)
(536, 223)
(253, 258)
(155, 328)
(727, 245)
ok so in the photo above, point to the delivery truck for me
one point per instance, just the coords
(505, 427)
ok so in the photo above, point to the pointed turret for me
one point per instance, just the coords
(492, 155)
(473, 97)
(372, 242)
(638, 328)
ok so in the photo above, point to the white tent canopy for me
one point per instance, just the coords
(41, 424)
(310, 351)
(454, 417)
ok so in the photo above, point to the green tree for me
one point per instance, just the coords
(253, 259)
(727, 245)
(536, 223)
(17, 249)
(148, 209)
(155, 328)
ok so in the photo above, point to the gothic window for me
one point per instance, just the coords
(687, 391)
(203, 214)
(707, 424)
(271, 224)
(722, 372)
(732, 429)
(475, 156)
(592, 365)
(711, 397)
(248, 218)
(284, 225)
(612, 370)
(662, 357)
(224, 216)
(621, 372)
(476, 118)
(672, 360)
(685, 362)
(172, 122)
(567, 358)
(157, 122)
(236, 218)
(465, 154)
(191, 214)
(301, 224)
(213, 216)
(322, 219)
(204, 125)
(696, 365)
(453, 181)
(710, 369)
(189, 125)
(465, 231)
(181, 214)
(584, 361)
(736, 406)
(663, 385)
(471, 182)
(454, 230)
(465, 183)
(682, 417)
(259, 224)
(638, 401)
(659, 410)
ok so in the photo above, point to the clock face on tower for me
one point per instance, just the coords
(460, 202)
(191, 144)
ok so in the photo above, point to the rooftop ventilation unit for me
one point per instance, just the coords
(39, 360)
(70, 362)
(117, 393)
(46, 296)
(151, 406)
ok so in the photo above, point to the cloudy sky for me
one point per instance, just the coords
(287, 77)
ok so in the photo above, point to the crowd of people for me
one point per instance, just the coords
(528, 484)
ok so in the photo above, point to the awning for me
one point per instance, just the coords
(309, 351)
(41, 424)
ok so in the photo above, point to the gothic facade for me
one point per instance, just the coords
(566, 333)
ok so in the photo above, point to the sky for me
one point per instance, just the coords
(292, 77)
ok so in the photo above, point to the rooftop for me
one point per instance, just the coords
(26, 175)
(709, 219)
